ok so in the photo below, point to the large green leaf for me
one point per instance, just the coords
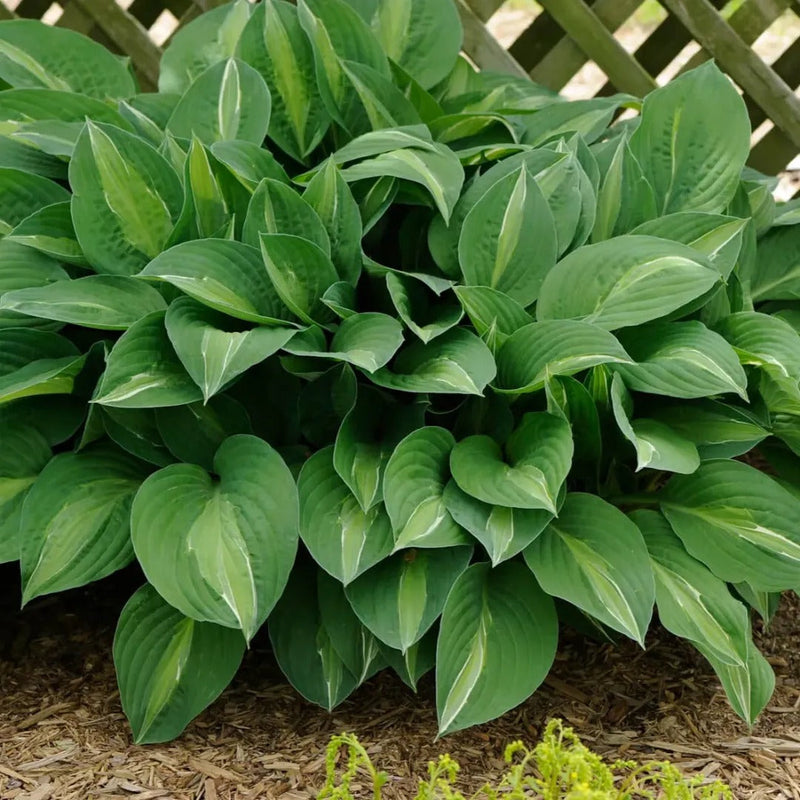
(625, 281)
(457, 362)
(108, 302)
(539, 350)
(215, 349)
(75, 524)
(142, 370)
(526, 473)
(36, 55)
(23, 193)
(594, 557)
(413, 489)
(494, 315)
(681, 359)
(220, 550)
(502, 531)
(344, 539)
(763, 340)
(776, 273)
(420, 308)
(224, 275)
(508, 241)
(51, 232)
(693, 141)
(126, 199)
(401, 598)
(738, 521)
(496, 644)
(169, 667)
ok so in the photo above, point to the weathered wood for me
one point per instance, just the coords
(483, 9)
(483, 48)
(599, 44)
(744, 66)
(5, 12)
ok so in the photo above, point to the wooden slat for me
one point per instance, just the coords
(5, 12)
(483, 9)
(744, 66)
(536, 41)
(482, 47)
(600, 45)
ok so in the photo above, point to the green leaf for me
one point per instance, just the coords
(776, 273)
(274, 43)
(681, 359)
(169, 667)
(457, 362)
(224, 275)
(107, 302)
(420, 309)
(496, 644)
(625, 281)
(249, 163)
(142, 370)
(51, 232)
(205, 196)
(413, 488)
(504, 532)
(330, 196)
(589, 118)
(75, 524)
(555, 347)
(402, 597)
(696, 605)
(132, 429)
(36, 55)
(491, 312)
(300, 272)
(738, 522)
(594, 557)
(508, 241)
(344, 539)
(526, 473)
(419, 659)
(56, 417)
(657, 445)
(23, 455)
(215, 349)
(303, 647)
(366, 439)
(22, 194)
(228, 101)
(220, 550)
(278, 208)
(126, 199)
(693, 141)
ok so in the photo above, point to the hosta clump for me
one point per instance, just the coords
(335, 334)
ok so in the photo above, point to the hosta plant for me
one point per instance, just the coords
(401, 361)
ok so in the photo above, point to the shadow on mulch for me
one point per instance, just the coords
(63, 735)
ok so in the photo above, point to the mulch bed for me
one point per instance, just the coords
(63, 735)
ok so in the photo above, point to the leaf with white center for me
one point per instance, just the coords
(230, 100)
(75, 525)
(366, 439)
(555, 347)
(502, 531)
(413, 489)
(220, 550)
(738, 521)
(625, 281)
(126, 199)
(107, 302)
(457, 362)
(274, 43)
(657, 445)
(526, 473)
(24, 452)
(23, 194)
(691, 157)
(143, 371)
(594, 557)
(303, 648)
(508, 241)
(420, 309)
(366, 340)
(571, 400)
(681, 359)
(401, 598)
(50, 231)
(224, 275)
(418, 660)
(169, 667)
(496, 644)
(215, 349)
(344, 539)
(763, 340)
(204, 193)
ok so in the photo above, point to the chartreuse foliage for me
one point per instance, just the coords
(335, 336)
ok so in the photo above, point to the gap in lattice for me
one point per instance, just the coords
(163, 27)
(511, 19)
(677, 63)
(53, 14)
(778, 37)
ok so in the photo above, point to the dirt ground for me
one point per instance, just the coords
(63, 735)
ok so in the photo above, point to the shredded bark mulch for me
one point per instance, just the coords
(63, 735)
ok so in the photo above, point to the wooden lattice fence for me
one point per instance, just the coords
(556, 45)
